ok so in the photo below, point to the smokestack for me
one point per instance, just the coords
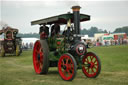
(76, 15)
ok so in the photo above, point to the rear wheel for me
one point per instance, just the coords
(17, 50)
(2, 51)
(40, 57)
(91, 65)
(67, 67)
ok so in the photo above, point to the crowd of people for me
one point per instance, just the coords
(26, 46)
(91, 43)
(120, 41)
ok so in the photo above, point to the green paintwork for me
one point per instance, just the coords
(52, 57)
(52, 42)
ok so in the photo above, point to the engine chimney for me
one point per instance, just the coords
(76, 15)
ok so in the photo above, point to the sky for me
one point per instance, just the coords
(105, 14)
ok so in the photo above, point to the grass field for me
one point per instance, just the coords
(19, 70)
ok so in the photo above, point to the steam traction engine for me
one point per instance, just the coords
(10, 44)
(64, 50)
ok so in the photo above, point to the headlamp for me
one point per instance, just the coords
(80, 49)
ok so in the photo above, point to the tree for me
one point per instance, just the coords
(105, 31)
(122, 29)
(84, 31)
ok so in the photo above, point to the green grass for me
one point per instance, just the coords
(19, 70)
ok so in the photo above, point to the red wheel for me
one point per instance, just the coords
(67, 67)
(91, 65)
(40, 57)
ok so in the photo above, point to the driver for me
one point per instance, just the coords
(44, 29)
(55, 30)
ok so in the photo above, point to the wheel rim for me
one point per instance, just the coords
(38, 57)
(90, 65)
(66, 67)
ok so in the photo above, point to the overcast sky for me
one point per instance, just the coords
(104, 14)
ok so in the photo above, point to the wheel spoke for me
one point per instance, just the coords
(62, 62)
(95, 61)
(69, 66)
(41, 57)
(41, 54)
(69, 73)
(40, 50)
(41, 65)
(64, 72)
(95, 67)
(36, 51)
(95, 64)
(91, 58)
(67, 60)
(72, 67)
(87, 60)
(92, 70)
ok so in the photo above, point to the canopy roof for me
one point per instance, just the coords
(60, 19)
(8, 29)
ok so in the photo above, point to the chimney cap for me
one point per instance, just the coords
(76, 8)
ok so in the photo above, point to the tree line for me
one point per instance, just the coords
(28, 35)
(94, 30)
(90, 32)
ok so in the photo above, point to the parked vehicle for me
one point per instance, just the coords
(10, 44)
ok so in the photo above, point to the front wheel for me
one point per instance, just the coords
(67, 67)
(91, 65)
(2, 51)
